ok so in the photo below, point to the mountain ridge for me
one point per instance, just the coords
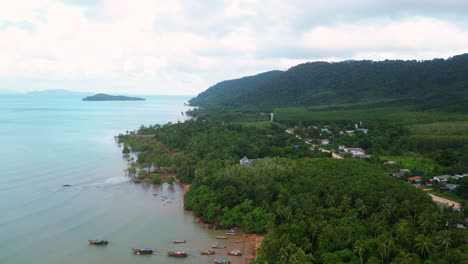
(428, 84)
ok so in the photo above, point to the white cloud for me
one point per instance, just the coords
(172, 46)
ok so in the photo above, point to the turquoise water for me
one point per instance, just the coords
(48, 142)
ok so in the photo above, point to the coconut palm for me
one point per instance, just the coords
(359, 249)
(445, 239)
(404, 258)
(423, 245)
(384, 245)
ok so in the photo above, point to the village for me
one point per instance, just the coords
(441, 188)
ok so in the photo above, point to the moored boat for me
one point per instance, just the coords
(218, 246)
(177, 253)
(235, 253)
(179, 241)
(221, 237)
(222, 261)
(98, 242)
(207, 252)
(139, 251)
(232, 234)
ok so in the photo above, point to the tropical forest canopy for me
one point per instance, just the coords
(432, 84)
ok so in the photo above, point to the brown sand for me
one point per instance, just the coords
(250, 244)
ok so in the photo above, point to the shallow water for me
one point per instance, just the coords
(47, 142)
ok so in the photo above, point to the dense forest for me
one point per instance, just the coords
(329, 211)
(312, 209)
(405, 115)
(433, 84)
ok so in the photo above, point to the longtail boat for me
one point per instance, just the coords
(235, 253)
(177, 253)
(221, 237)
(222, 261)
(139, 251)
(218, 246)
(207, 252)
(179, 241)
(99, 242)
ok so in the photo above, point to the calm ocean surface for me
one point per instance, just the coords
(48, 142)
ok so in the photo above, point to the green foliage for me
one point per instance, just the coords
(171, 180)
(434, 84)
(155, 179)
(126, 149)
(403, 115)
(326, 211)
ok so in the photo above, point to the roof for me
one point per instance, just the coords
(414, 178)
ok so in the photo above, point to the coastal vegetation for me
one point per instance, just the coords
(258, 155)
(327, 211)
(313, 209)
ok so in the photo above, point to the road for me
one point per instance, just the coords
(334, 155)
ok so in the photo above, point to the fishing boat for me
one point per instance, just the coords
(179, 241)
(235, 253)
(207, 252)
(222, 261)
(232, 234)
(139, 251)
(99, 242)
(218, 246)
(221, 237)
(177, 253)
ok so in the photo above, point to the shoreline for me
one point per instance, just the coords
(251, 240)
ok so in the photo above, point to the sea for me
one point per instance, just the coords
(50, 141)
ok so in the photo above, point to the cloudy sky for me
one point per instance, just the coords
(185, 46)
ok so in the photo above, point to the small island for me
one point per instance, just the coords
(106, 97)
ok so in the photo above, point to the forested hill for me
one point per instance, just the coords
(222, 92)
(436, 83)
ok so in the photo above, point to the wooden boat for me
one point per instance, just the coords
(221, 237)
(218, 246)
(207, 252)
(179, 241)
(222, 261)
(99, 242)
(235, 253)
(139, 251)
(239, 241)
(177, 253)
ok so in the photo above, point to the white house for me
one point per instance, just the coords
(357, 152)
(246, 162)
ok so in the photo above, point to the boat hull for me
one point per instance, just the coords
(97, 242)
(142, 252)
(177, 254)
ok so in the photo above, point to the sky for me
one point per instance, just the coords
(186, 46)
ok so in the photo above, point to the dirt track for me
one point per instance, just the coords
(445, 202)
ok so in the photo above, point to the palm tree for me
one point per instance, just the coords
(359, 249)
(361, 207)
(423, 245)
(445, 239)
(404, 258)
(384, 245)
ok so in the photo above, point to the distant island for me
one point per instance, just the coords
(106, 97)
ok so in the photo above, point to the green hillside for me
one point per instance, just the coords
(433, 84)
(221, 93)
